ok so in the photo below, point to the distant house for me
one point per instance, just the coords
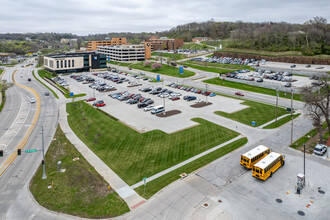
(200, 39)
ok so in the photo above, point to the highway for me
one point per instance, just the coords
(20, 127)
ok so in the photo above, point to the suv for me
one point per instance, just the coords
(320, 149)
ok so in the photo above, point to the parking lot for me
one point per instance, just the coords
(143, 121)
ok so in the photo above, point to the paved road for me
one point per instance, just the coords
(20, 172)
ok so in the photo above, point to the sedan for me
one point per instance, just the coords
(142, 105)
(91, 99)
(148, 108)
(175, 98)
(98, 102)
(239, 94)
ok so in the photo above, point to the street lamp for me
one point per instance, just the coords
(43, 154)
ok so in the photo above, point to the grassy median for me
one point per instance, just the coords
(280, 122)
(133, 155)
(80, 190)
(258, 112)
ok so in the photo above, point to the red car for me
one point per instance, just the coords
(239, 94)
(175, 98)
(207, 93)
(199, 91)
(100, 104)
(90, 99)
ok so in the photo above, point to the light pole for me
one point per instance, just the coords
(94, 92)
(206, 92)
(304, 162)
(163, 96)
(43, 154)
(291, 116)
(276, 103)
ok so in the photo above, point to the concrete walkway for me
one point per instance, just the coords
(186, 162)
(132, 199)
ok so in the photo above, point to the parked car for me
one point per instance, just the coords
(239, 94)
(175, 98)
(142, 105)
(191, 98)
(320, 149)
(90, 99)
(307, 66)
(148, 108)
(260, 80)
(288, 84)
(98, 102)
(157, 109)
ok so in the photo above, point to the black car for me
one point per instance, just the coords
(142, 105)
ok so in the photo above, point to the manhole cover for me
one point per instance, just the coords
(279, 200)
(301, 213)
(321, 191)
(206, 205)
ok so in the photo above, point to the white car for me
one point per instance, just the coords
(148, 108)
(320, 149)
(32, 100)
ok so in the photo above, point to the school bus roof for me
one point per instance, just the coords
(255, 151)
(267, 160)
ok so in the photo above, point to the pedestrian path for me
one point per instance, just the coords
(185, 162)
(132, 199)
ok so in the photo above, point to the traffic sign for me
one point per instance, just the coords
(31, 151)
(253, 123)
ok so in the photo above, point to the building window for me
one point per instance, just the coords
(65, 63)
(72, 63)
(61, 63)
(57, 64)
(69, 63)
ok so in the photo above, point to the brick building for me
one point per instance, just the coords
(92, 45)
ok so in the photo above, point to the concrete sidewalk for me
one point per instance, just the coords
(132, 199)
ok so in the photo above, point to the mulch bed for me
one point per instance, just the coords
(201, 104)
(134, 85)
(168, 113)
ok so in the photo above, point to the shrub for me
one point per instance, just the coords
(147, 63)
(156, 66)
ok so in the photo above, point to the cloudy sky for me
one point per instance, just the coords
(84, 17)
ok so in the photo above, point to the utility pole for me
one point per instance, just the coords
(276, 103)
(291, 116)
(163, 96)
(43, 154)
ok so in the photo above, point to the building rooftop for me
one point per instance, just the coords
(70, 54)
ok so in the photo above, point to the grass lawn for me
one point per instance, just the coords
(165, 70)
(258, 112)
(159, 183)
(221, 65)
(268, 53)
(251, 88)
(133, 155)
(280, 122)
(208, 68)
(80, 191)
(175, 56)
(44, 73)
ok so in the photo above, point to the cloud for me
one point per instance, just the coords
(84, 17)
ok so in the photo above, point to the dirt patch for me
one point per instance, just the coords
(201, 104)
(134, 85)
(168, 113)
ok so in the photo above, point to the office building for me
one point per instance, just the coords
(164, 43)
(92, 45)
(75, 62)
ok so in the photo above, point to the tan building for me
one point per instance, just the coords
(200, 39)
(126, 53)
(74, 62)
(92, 45)
(164, 43)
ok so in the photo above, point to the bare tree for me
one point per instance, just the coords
(4, 85)
(318, 97)
(316, 115)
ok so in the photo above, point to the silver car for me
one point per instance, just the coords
(320, 149)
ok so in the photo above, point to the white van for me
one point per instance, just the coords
(157, 109)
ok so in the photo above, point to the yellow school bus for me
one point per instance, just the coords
(267, 166)
(253, 156)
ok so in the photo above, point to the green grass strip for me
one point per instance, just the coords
(159, 183)
(304, 139)
(56, 96)
(258, 112)
(251, 88)
(3, 101)
(80, 190)
(133, 155)
(280, 122)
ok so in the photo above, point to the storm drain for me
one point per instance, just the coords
(301, 213)
(321, 191)
(206, 205)
(279, 200)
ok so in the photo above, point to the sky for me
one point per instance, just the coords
(83, 17)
